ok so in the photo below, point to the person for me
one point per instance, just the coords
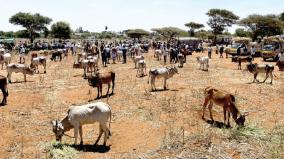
(22, 54)
(209, 49)
(104, 57)
(216, 49)
(74, 49)
(124, 51)
(221, 51)
(107, 49)
(165, 53)
(113, 54)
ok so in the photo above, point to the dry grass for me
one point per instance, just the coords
(146, 124)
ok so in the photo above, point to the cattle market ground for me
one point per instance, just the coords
(146, 124)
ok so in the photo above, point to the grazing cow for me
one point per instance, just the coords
(228, 102)
(255, 69)
(203, 61)
(77, 116)
(240, 59)
(158, 54)
(141, 71)
(5, 59)
(102, 78)
(181, 60)
(38, 61)
(163, 72)
(22, 68)
(136, 59)
(4, 89)
(55, 55)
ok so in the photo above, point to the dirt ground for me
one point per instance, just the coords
(141, 119)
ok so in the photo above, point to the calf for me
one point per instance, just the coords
(77, 116)
(38, 61)
(141, 71)
(136, 59)
(227, 101)
(203, 61)
(255, 69)
(181, 59)
(19, 68)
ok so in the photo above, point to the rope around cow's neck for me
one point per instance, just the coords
(68, 135)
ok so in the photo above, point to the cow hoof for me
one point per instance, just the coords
(44, 72)
(10, 81)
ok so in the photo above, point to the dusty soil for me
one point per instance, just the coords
(141, 120)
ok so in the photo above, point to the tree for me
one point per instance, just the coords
(136, 33)
(281, 17)
(220, 19)
(169, 33)
(34, 23)
(240, 32)
(193, 26)
(261, 26)
(61, 30)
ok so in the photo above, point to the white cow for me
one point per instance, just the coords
(38, 61)
(163, 72)
(180, 59)
(136, 59)
(203, 61)
(77, 116)
(5, 59)
(141, 71)
(158, 54)
(19, 68)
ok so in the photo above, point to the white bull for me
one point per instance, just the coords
(19, 68)
(5, 59)
(163, 72)
(77, 116)
(136, 59)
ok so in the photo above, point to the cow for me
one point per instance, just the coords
(164, 72)
(4, 89)
(255, 69)
(240, 59)
(56, 54)
(158, 54)
(141, 71)
(38, 61)
(102, 78)
(77, 116)
(227, 101)
(203, 61)
(136, 59)
(181, 59)
(19, 68)
(5, 59)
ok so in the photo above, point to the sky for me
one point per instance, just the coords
(118, 15)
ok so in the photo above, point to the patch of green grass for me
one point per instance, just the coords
(276, 142)
(57, 150)
(251, 131)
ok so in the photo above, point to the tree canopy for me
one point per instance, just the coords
(193, 26)
(34, 23)
(240, 32)
(136, 33)
(220, 19)
(261, 26)
(169, 33)
(61, 30)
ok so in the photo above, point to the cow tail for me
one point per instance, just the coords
(113, 79)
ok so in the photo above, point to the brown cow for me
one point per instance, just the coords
(226, 100)
(102, 78)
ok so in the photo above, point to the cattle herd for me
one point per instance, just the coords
(87, 58)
